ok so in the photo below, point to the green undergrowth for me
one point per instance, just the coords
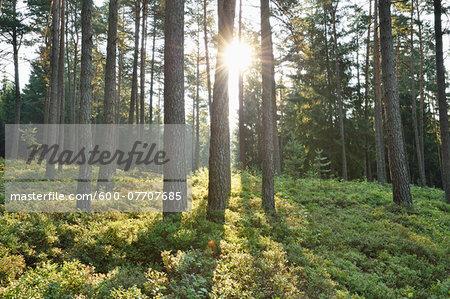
(327, 239)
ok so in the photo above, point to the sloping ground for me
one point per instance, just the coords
(327, 239)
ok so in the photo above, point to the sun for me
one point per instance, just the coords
(238, 56)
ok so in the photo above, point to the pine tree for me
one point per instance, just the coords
(219, 154)
(397, 161)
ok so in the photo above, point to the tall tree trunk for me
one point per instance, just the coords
(281, 120)
(330, 103)
(339, 96)
(267, 99)
(152, 71)
(208, 68)
(421, 91)
(197, 104)
(69, 86)
(379, 136)
(15, 44)
(143, 55)
(53, 104)
(276, 141)
(174, 111)
(413, 103)
(106, 171)
(368, 172)
(61, 79)
(73, 102)
(242, 163)
(443, 113)
(219, 150)
(399, 174)
(85, 135)
(119, 79)
(134, 85)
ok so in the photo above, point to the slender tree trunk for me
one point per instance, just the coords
(152, 71)
(53, 104)
(330, 103)
(267, 99)
(105, 171)
(73, 102)
(143, 55)
(70, 88)
(413, 103)
(242, 163)
(85, 137)
(61, 79)
(281, 121)
(197, 105)
(368, 172)
(443, 112)
(219, 151)
(339, 97)
(399, 174)
(134, 85)
(208, 69)
(421, 92)
(15, 44)
(119, 79)
(276, 142)
(174, 111)
(379, 136)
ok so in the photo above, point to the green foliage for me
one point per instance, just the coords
(320, 164)
(28, 136)
(11, 266)
(294, 157)
(329, 240)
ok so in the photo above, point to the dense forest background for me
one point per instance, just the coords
(312, 38)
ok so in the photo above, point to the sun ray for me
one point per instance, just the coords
(238, 56)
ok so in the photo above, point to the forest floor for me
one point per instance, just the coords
(327, 239)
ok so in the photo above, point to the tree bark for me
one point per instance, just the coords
(208, 68)
(85, 135)
(61, 79)
(399, 174)
(219, 153)
(443, 112)
(267, 114)
(73, 102)
(197, 105)
(143, 55)
(339, 97)
(330, 103)
(134, 85)
(120, 71)
(174, 111)
(379, 136)
(15, 44)
(367, 172)
(242, 163)
(152, 71)
(106, 171)
(413, 103)
(53, 105)
(421, 91)
(276, 141)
